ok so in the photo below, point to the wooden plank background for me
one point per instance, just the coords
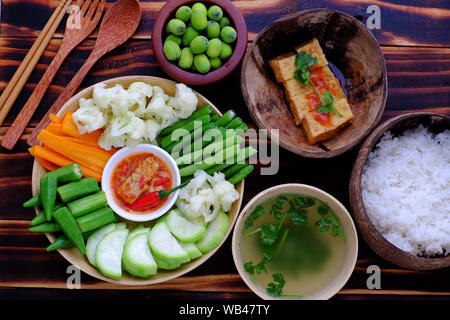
(414, 39)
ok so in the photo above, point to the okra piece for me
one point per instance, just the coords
(34, 201)
(62, 242)
(69, 173)
(233, 169)
(46, 227)
(49, 184)
(241, 174)
(234, 123)
(166, 141)
(226, 118)
(70, 228)
(40, 217)
(96, 219)
(200, 112)
(87, 204)
(78, 189)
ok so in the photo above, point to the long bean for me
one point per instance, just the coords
(200, 112)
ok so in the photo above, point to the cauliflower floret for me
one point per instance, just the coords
(206, 196)
(116, 98)
(152, 129)
(185, 101)
(107, 141)
(140, 92)
(88, 119)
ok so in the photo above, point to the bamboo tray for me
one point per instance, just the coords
(72, 255)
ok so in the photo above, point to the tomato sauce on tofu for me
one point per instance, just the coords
(135, 182)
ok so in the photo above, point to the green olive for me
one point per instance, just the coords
(189, 35)
(228, 34)
(200, 7)
(226, 51)
(173, 38)
(214, 48)
(202, 63)
(186, 59)
(183, 13)
(216, 63)
(212, 29)
(199, 20)
(224, 22)
(215, 13)
(172, 51)
(176, 27)
(199, 44)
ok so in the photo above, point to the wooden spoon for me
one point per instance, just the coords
(118, 25)
(81, 22)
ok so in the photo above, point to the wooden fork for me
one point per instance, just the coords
(83, 18)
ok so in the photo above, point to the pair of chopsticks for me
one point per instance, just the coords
(20, 77)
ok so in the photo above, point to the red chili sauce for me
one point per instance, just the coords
(321, 84)
(136, 180)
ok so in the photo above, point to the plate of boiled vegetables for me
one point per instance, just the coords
(72, 207)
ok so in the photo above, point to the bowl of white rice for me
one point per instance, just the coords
(400, 191)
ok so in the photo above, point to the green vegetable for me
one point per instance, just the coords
(189, 127)
(304, 61)
(87, 204)
(186, 59)
(228, 34)
(200, 7)
(94, 239)
(214, 48)
(46, 227)
(199, 45)
(212, 29)
(215, 13)
(49, 184)
(217, 168)
(202, 63)
(215, 232)
(234, 169)
(214, 118)
(96, 219)
(176, 27)
(40, 217)
(137, 258)
(226, 51)
(78, 189)
(183, 13)
(171, 50)
(109, 253)
(189, 35)
(69, 173)
(234, 123)
(216, 63)
(174, 38)
(226, 118)
(182, 123)
(275, 288)
(199, 20)
(34, 201)
(169, 250)
(225, 21)
(62, 242)
(70, 228)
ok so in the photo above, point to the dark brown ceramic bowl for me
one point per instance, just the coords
(348, 45)
(436, 123)
(239, 47)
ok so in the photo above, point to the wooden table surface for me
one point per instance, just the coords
(415, 42)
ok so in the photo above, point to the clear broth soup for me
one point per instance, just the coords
(310, 257)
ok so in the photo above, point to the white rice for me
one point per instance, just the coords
(405, 189)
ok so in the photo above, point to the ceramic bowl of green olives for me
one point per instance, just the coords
(199, 42)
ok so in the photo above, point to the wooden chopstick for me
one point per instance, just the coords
(20, 77)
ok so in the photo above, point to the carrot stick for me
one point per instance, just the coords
(93, 158)
(50, 166)
(60, 160)
(55, 128)
(70, 128)
(55, 118)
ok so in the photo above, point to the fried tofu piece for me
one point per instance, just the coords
(314, 49)
(294, 89)
(298, 107)
(315, 132)
(283, 67)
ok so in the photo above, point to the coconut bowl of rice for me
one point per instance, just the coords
(400, 191)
